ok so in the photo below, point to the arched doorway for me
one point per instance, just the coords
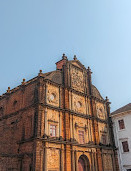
(83, 163)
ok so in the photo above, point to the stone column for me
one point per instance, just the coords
(71, 136)
(45, 123)
(60, 125)
(40, 120)
(42, 123)
(62, 157)
(73, 160)
(45, 159)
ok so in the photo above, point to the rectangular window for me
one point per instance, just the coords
(52, 130)
(81, 137)
(125, 146)
(121, 124)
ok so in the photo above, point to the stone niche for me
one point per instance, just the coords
(78, 104)
(52, 95)
(77, 79)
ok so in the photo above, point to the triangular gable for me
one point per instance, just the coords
(78, 64)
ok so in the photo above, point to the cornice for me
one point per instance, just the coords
(75, 143)
(20, 87)
(59, 140)
(86, 116)
(17, 112)
(120, 114)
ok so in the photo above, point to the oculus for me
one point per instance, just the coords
(78, 104)
(52, 96)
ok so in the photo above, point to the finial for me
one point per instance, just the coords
(23, 82)
(107, 99)
(8, 91)
(89, 68)
(63, 56)
(75, 58)
(40, 71)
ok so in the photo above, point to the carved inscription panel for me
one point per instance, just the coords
(77, 79)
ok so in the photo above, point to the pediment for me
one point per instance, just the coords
(78, 64)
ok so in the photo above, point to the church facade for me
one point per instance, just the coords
(57, 121)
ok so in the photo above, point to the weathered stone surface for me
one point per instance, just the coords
(64, 99)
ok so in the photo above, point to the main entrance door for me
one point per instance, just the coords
(83, 163)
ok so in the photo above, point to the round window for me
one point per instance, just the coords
(52, 97)
(101, 110)
(78, 104)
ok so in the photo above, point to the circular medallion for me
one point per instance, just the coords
(79, 104)
(52, 97)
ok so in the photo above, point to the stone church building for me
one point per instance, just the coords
(57, 121)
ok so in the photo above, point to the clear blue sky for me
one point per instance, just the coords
(35, 33)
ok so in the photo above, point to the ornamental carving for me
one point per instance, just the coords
(100, 111)
(52, 95)
(53, 115)
(77, 79)
(79, 104)
(80, 122)
(103, 133)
